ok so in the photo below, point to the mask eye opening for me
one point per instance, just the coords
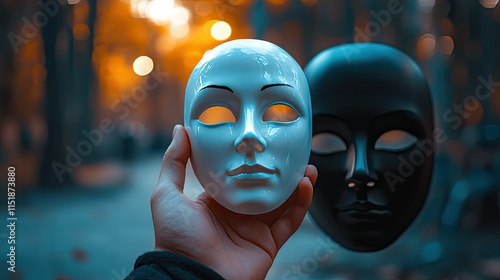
(326, 143)
(280, 112)
(217, 114)
(395, 141)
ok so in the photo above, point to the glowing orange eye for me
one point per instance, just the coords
(395, 141)
(216, 115)
(280, 113)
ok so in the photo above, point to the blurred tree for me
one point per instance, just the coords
(68, 89)
(54, 100)
(7, 14)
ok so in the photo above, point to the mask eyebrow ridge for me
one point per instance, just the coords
(274, 85)
(217, 86)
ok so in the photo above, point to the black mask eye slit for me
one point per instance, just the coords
(395, 141)
(216, 115)
(280, 113)
(326, 143)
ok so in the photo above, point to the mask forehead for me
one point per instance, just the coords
(262, 67)
(246, 66)
(374, 81)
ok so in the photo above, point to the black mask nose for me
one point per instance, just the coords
(359, 174)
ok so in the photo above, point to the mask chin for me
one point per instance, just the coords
(373, 143)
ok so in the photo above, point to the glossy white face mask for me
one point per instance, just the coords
(248, 115)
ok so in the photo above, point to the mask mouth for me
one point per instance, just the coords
(362, 207)
(252, 169)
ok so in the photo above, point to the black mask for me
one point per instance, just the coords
(372, 143)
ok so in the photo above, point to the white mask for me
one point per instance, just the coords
(247, 112)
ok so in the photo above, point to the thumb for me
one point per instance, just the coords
(173, 167)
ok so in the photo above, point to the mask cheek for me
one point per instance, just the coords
(331, 187)
(212, 150)
(397, 170)
(288, 150)
(286, 142)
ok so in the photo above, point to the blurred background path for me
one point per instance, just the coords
(98, 232)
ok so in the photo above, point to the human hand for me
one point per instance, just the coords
(237, 246)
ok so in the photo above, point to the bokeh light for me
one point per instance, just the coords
(473, 109)
(446, 45)
(490, 4)
(179, 16)
(446, 26)
(203, 8)
(426, 46)
(179, 31)
(159, 11)
(164, 44)
(143, 65)
(432, 251)
(138, 8)
(81, 31)
(221, 30)
(426, 5)
(142, 8)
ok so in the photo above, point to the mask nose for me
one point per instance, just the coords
(250, 141)
(359, 176)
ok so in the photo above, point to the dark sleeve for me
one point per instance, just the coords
(166, 265)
